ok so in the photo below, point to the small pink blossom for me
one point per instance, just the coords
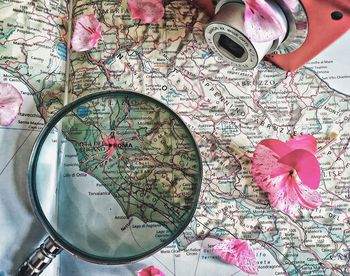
(111, 144)
(10, 103)
(87, 33)
(261, 22)
(148, 11)
(238, 253)
(150, 271)
(289, 172)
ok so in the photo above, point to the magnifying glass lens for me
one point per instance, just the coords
(115, 177)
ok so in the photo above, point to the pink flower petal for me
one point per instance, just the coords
(10, 103)
(150, 271)
(261, 23)
(291, 194)
(306, 166)
(265, 166)
(285, 197)
(277, 146)
(308, 198)
(238, 253)
(289, 178)
(307, 142)
(87, 33)
(148, 11)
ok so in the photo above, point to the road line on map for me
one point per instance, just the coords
(163, 265)
(9, 161)
(325, 82)
(199, 255)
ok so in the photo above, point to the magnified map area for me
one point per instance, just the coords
(140, 155)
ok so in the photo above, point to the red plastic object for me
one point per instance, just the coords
(323, 31)
(325, 26)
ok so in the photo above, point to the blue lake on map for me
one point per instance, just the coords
(83, 111)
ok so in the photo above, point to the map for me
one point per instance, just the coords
(228, 111)
(144, 157)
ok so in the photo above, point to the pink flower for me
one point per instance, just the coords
(148, 11)
(87, 33)
(289, 172)
(10, 103)
(238, 253)
(261, 22)
(150, 271)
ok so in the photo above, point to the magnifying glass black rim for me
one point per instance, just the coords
(32, 168)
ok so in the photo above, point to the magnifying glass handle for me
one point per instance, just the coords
(40, 258)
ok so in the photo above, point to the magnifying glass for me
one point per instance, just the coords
(113, 177)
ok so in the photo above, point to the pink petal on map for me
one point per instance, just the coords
(308, 198)
(150, 271)
(148, 11)
(307, 142)
(291, 195)
(277, 146)
(261, 23)
(265, 165)
(284, 197)
(10, 103)
(305, 165)
(87, 33)
(238, 253)
(290, 179)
